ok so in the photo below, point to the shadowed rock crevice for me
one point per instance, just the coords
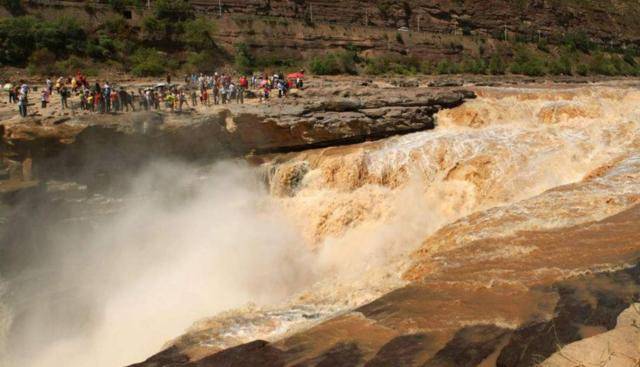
(469, 347)
(402, 351)
(594, 301)
(341, 354)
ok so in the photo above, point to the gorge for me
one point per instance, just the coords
(362, 224)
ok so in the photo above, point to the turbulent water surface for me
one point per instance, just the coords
(107, 278)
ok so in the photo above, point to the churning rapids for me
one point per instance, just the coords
(108, 278)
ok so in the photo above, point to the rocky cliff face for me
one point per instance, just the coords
(439, 29)
(606, 21)
(91, 145)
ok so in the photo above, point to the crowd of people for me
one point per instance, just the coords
(206, 89)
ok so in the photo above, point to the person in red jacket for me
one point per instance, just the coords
(243, 84)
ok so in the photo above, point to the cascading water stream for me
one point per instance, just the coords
(336, 227)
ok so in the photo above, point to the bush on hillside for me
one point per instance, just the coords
(148, 62)
(579, 41)
(445, 66)
(496, 66)
(473, 66)
(393, 64)
(20, 36)
(75, 63)
(343, 62)
(582, 69)
(63, 36)
(325, 65)
(204, 61)
(527, 62)
(173, 10)
(244, 60)
(42, 62)
(198, 34)
(562, 65)
(602, 65)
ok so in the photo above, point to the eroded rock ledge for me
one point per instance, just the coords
(89, 144)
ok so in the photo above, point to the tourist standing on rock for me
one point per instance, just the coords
(64, 94)
(182, 99)
(215, 91)
(223, 94)
(22, 105)
(155, 96)
(13, 93)
(204, 97)
(99, 101)
(282, 88)
(243, 84)
(194, 98)
(44, 98)
(89, 103)
(24, 89)
(231, 93)
(115, 101)
(49, 85)
(106, 94)
(168, 79)
(59, 84)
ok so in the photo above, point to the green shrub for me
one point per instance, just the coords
(497, 65)
(102, 47)
(473, 66)
(527, 63)
(73, 64)
(325, 65)
(394, 64)
(173, 10)
(622, 67)
(17, 38)
(116, 26)
(582, 69)
(148, 62)
(543, 45)
(63, 36)
(445, 66)
(342, 62)
(399, 38)
(244, 60)
(602, 65)
(154, 29)
(427, 67)
(198, 34)
(630, 56)
(20, 36)
(204, 61)
(561, 65)
(377, 66)
(42, 62)
(579, 41)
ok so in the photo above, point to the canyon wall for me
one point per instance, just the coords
(436, 29)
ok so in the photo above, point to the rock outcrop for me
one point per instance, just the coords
(92, 144)
(618, 347)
